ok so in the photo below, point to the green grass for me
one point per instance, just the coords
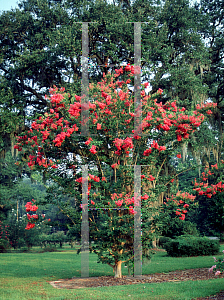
(25, 276)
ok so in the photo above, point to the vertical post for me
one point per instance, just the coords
(85, 225)
(85, 132)
(137, 222)
(137, 79)
(137, 168)
(85, 81)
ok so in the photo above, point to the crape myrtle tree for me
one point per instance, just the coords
(55, 145)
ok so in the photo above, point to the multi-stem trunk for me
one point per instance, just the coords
(117, 269)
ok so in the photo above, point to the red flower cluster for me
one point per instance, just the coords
(80, 179)
(126, 199)
(150, 178)
(122, 199)
(88, 141)
(95, 178)
(179, 203)
(156, 146)
(206, 189)
(185, 123)
(75, 110)
(93, 149)
(35, 217)
(31, 207)
(123, 145)
(206, 105)
(29, 226)
(116, 165)
(32, 219)
(128, 68)
(41, 161)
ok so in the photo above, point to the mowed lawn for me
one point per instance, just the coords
(26, 276)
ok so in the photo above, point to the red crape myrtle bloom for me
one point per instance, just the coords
(206, 189)
(32, 218)
(180, 204)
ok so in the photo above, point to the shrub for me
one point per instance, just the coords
(4, 246)
(173, 228)
(190, 228)
(4, 239)
(18, 236)
(58, 238)
(163, 240)
(70, 239)
(44, 240)
(53, 239)
(191, 246)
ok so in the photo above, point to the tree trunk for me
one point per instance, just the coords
(154, 243)
(117, 270)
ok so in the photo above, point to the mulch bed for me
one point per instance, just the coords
(219, 296)
(175, 276)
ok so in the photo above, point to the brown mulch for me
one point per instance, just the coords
(175, 276)
(219, 296)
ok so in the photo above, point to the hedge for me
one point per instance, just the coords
(191, 246)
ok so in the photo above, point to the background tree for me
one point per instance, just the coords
(211, 25)
(10, 177)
